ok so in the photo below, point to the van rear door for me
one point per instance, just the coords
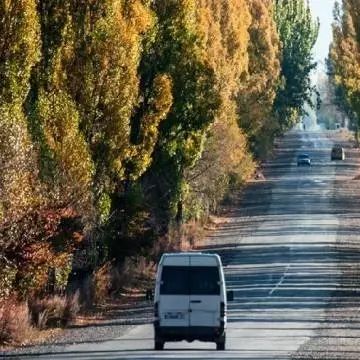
(174, 296)
(205, 293)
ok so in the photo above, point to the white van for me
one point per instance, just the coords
(190, 299)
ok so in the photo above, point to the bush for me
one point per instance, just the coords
(14, 321)
(54, 311)
(102, 280)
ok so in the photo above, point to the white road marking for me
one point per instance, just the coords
(280, 282)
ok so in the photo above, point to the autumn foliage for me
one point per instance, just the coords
(122, 120)
(344, 59)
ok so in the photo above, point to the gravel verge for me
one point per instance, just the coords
(123, 318)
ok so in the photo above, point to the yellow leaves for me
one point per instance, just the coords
(259, 87)
(224, 28)
(19, 47)
(241, 44)
(19, 52)
(18, 168)
(163, 97)
(60, 121)
(192, 147)
(158, 108)
(115, 50)
(345, 53)
(224, 25)
(140, 16)
(226, 154)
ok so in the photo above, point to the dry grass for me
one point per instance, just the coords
(15, 324)
(54, 311)
(133, 275)
(215, 222)
(185, 238)
(191, 235)
(102, 282)
(20, 322)
(342, 135)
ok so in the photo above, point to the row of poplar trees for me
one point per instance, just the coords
(344, 59)
(122, 118)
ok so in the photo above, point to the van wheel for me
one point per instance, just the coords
(159, 344)
(220, 343)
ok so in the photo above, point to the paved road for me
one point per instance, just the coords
(282, 259)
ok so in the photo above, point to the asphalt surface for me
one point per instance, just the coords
(291, 255)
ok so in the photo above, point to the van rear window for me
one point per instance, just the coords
(190, 280)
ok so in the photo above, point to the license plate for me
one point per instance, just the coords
(174, 316)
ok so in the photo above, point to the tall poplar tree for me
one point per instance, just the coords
(298, 32)
(178, 51)
(260, 87)
(344, 59)
(19, 53)
(226, 157)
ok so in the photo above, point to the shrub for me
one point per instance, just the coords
(14, 321)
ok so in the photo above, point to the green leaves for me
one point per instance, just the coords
(298, 33)
(177, 52)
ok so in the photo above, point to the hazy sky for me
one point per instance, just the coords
(323, 10)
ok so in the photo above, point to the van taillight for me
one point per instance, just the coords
(222, 309)
(156, 310)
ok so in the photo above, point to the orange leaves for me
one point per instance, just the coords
(40, 241)
(345, 54)
(224, 27)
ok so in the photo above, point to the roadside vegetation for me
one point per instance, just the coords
(123, 126)
(344, 60)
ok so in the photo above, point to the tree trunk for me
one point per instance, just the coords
(179, 213)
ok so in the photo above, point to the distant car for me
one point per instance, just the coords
(303, 160)
(337, 153)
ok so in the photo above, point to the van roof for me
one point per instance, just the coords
(190, 258)
(192, 253)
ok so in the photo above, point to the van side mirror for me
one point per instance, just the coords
(149, 295)
(230, 295)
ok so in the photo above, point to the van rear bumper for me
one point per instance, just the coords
(191, 333)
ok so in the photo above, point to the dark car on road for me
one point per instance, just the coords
(337, 153)
(303, 160)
